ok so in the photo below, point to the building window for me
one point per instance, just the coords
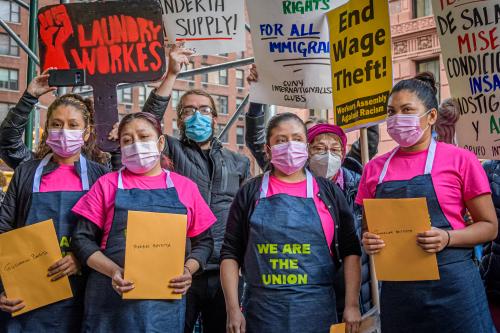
(422, 8)
(240, 78)
(9, 79)
(224, 138)
(176, 97)
(9, 11)
(8, 46)
(175, 130)
(432, 66)
(240, 135)
(188, 68)
(4, 109)
(125, 95)
(224, 54)
(204, 76)
(239, 101)
(223, 77)
(221, 104)
(142, 95)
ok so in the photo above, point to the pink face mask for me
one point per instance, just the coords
(140, 157)
(289, 157)
(405, 129)
(65, 143)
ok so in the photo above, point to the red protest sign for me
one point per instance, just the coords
(114, 41)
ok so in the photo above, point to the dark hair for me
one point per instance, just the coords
(423, 85)
(166, 163)
(278, 119)
(86, 107)
(448, 115)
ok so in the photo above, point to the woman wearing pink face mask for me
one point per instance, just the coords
(289, 232)
(452, 180)
(46, 186)
(99, 240)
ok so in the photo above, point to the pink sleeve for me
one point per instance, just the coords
(92, 205)
(475, 181)
(363, 190)
(200, 217)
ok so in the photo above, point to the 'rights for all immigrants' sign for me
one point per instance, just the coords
(292, 52)
(469, 34)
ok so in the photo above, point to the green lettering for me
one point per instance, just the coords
(494, 125)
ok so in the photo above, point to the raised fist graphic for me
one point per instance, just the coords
(55, 29)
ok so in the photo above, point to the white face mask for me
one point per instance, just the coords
(325, 165)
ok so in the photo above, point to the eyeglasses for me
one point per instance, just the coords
(191, 110)
(315, 150)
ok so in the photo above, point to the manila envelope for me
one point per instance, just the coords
(397, 222)
(154, 253)
(25, 256)
(338, 328)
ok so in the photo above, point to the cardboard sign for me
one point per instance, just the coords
(25, 257)
(115, 42)
(360, 39)
(397, 222)
(154, 253)
(292, 52)
(206, 26)
(469, 34)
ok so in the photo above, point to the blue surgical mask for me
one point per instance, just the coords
(198, 127)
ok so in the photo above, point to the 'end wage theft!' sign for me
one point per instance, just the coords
(361, 62)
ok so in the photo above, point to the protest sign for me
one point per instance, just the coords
(469, 34)
(206, 26)
(292, 52)
(113, 42)
(361, 62)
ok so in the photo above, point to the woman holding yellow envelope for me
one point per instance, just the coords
(46, 186)
(452, 180)
(99, 240)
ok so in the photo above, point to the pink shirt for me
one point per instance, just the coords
(457, 175)
(98, 205)
(64, 178)
(277, 186)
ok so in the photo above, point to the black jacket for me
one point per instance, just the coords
(17, 202)
(12, 148)
(230, 170)
(490, 264)
(345, 242)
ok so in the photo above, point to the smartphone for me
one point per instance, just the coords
(67, 77)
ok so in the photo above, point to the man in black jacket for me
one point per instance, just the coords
(217, 171)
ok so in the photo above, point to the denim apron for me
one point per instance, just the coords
(288, 269)
(457, 302)
(63, 316)
(105, 310)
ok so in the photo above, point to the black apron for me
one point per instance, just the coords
(457, 302)
(105, 310)
(63, 316)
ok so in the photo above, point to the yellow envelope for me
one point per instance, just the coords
(154, 254)
(25, 256)
(338, 328)
(397, 222)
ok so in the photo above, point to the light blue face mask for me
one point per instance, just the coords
(198, 127)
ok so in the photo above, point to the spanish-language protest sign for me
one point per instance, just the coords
(112, 42)
(361, 62)
(469, 34)
(292, 52)
(206, 26)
